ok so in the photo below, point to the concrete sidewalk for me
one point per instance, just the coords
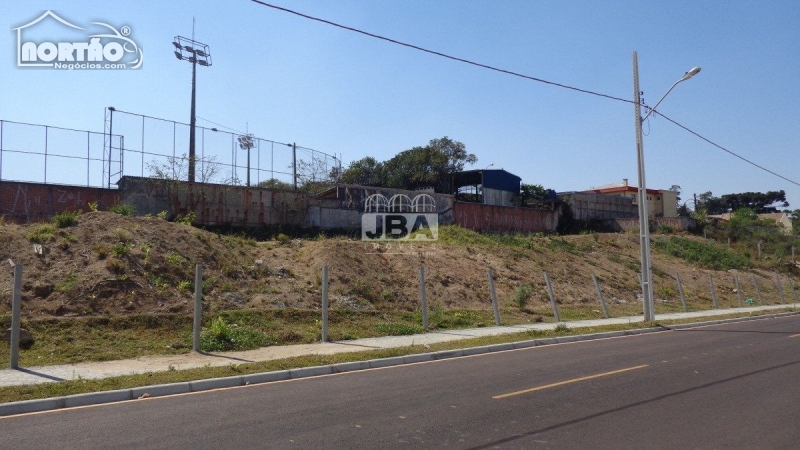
(107, 369)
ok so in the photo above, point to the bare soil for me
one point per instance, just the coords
(108, 264)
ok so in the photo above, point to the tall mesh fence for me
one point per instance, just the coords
(55, 155)
(160, 147)
(144, 146)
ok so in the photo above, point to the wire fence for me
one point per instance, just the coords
(55, 155)
(138, 145)
(155, 146)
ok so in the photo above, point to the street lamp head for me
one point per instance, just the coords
(690, 73)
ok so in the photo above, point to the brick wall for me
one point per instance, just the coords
(34, 202)
(504, 218)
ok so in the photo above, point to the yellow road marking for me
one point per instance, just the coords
(562, 383)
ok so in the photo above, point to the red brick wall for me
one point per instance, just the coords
(504, 218)
(35, 202)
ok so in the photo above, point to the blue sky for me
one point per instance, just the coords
(290, 79)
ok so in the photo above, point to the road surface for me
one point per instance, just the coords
(724, 386)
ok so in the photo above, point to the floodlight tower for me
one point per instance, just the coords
(196, 53)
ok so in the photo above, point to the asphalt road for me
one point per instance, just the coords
(725, 386)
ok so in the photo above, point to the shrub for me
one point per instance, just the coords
(42, 234)
(704, 254)
(66, 219)
(221, 336)
(186, 219)
(123, 209)
(522, 295)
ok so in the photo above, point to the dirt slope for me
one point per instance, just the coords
(109, 264)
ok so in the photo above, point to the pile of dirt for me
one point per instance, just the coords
(109, 264)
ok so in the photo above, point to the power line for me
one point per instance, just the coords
(516, 74)
(444, 55)
(729, 152)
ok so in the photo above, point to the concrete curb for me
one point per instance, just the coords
(160, 390)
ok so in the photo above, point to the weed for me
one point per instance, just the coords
(42, 234)
(522, 295)
(666, 229)
(174, 258)
(208, 284)
(115, 266)
(221, 336)
(92, 206)
(397, 329)
(100, 250)
(186, 219)
(123, 235)
(146, 247)
(66, 219)
(123, 209)
(561, 328)
(68, 284)
(283, 239)
(156, 281)
(120, 249)
(707, 255)
(184, 285)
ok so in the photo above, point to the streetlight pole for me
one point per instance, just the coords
(196, 53)
(644, 219)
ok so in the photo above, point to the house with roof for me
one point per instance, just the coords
(660, 202)
(782, 219)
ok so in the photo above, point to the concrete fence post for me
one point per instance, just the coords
(713, 292)
(16, 310)
(552, 297)
(780, 288)
(325, 303)
(680, 291)
(738, 289)
(600, 295)
(494, 299)
(423, 297)
(794, 290)
(758, 291)
(198, 307)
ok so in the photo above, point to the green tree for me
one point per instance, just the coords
(365, 172)
(759, 202)
(531, 193)
(431, 165)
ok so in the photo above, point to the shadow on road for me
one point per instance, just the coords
(632, 405)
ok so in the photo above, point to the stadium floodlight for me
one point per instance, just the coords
(196, 53)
